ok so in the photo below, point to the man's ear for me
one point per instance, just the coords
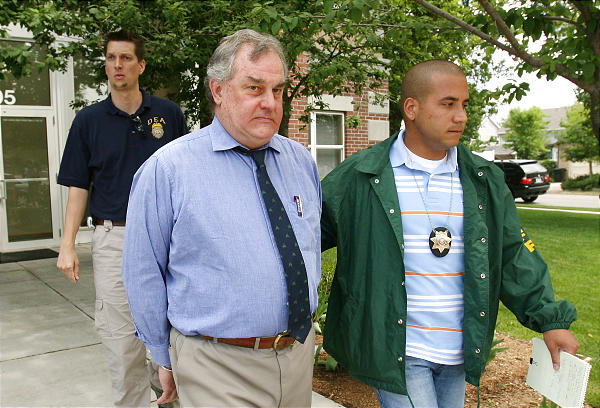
(216, 89)
(142, 66)
(411, 108)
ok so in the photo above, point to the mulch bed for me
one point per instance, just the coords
(502, 384)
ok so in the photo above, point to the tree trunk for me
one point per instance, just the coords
(590, 163)
(283, 127)
(287, 111)
(595, 113)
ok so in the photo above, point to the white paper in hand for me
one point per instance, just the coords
(565, 386)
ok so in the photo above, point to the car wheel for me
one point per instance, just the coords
(529, 199)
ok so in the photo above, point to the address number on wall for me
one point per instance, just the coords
(7, 97)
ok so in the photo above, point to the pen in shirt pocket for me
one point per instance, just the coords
(298, 202)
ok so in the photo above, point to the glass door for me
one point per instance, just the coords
(27, 190)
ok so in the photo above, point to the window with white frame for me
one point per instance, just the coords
(327, 140)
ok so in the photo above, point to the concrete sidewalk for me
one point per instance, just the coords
(50, 354)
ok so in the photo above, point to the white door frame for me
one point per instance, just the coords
(51, 134)
(59, 116)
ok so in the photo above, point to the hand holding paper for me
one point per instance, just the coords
(560, 340)
(565, 386)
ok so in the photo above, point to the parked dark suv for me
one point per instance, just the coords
(525, 178)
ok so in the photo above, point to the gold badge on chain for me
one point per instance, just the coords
(440, 241)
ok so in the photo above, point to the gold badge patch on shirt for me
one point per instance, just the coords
(157, 130)
(527, 242)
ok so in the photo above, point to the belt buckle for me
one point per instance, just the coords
(277, 338)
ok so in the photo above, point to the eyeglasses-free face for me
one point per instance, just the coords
(122, 66)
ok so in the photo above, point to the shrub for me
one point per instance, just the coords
(328, 260)
(330, 364)
(327, 271)
(548, 404)
(585, 183)
(495, 350)
(550, 165)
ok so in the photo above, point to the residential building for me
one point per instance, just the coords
(35, 117)
(491, 133)
(349, 123)
(554, 117)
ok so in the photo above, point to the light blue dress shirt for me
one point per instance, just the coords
(199, 254)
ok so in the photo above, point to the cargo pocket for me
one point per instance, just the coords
(101, 321)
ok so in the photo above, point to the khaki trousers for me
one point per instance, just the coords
(129, 372)
(209, 374)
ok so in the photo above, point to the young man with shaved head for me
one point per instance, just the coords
(428, 242)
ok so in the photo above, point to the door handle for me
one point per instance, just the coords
(2, 189)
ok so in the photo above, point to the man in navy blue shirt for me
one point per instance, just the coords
(107, 143)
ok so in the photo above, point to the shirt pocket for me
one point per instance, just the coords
(305, 217)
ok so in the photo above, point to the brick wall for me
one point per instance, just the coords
(355, 138)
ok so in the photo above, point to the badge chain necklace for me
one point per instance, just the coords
(440, 238)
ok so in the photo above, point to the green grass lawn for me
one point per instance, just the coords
(570, 244)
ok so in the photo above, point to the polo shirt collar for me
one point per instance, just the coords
(399, 156)
(221, 139)
(146, 104)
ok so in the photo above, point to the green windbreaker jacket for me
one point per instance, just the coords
(365, 328)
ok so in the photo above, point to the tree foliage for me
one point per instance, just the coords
(350, 44)
(526, 132)
(579, 137)
(411, 35)
(338, 37)
(568, 30)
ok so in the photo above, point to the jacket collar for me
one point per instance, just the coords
(399, 155)
(378, 157)
(466, 159)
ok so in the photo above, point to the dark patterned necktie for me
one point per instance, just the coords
(299, 319)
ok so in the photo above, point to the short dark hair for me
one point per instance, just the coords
(124, 35)
(417, 82)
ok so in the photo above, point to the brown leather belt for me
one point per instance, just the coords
(276, 342)
(115, 223)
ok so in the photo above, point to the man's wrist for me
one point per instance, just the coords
(167, 368)
(67, 244)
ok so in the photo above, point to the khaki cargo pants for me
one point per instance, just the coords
(130, 373)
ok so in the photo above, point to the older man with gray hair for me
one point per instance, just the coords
(222, 248)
